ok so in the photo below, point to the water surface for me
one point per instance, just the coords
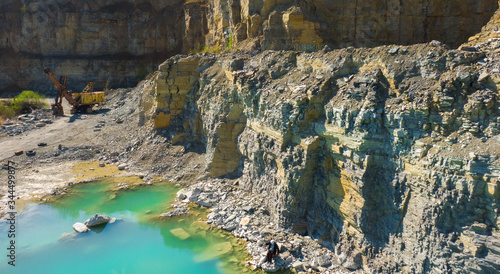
(136, 243)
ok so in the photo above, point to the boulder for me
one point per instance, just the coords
(80, 227)
(190, 195)
(323, 260)
(98, 219)
(352, 262)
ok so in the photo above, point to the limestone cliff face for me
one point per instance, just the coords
(291, 24)
(388, 155)
(122, 40)
(113, 40)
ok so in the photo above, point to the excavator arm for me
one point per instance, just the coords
(61, 91)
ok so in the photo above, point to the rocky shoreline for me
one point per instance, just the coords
(246, 218)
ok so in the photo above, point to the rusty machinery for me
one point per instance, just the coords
(80, 102)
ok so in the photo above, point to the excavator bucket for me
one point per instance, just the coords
(57, 110)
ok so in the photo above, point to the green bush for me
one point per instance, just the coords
(6, 111)
(230, 43)
(26, 101)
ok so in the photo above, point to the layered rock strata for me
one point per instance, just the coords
(122, 41)
(389, 156)
(291, 24)
(98, 41)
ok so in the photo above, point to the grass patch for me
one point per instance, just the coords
(215, 49)
(6, 111)
(25, 102)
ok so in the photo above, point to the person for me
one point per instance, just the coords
(272, 250)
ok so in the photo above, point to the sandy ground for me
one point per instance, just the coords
(76, 145)
(40, 175)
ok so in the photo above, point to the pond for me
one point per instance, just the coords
(137, 242)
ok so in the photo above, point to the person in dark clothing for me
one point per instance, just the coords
(272, 250)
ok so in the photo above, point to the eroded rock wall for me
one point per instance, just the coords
(388, 154)
(123, 40)
(113, 40)
(290, 24)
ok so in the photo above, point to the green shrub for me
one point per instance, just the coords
(26, 101)
(6, 111)
(230, 43)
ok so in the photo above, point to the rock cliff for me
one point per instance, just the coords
(123, 40)
(113, 40)
(389, 156)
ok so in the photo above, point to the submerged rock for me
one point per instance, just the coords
(180, 233)
(80, 227)
(215, 251)
(68, 236)
(175, 212)
(98, 219)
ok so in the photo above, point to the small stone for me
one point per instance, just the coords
(483, 77)
(472, 155)
(298, 265)
(436, 43)
(102, 165)
(393, 50)
(122, 166)
(248, 209)
(468, 48)
(40, 124)
(42, 144)
(245, 221)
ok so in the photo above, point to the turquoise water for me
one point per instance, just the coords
(136, 243)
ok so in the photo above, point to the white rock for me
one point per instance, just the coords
(122, 166)
(297, 265)
(80, 227)
(188, 194)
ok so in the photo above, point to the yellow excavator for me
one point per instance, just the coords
(81, 102)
